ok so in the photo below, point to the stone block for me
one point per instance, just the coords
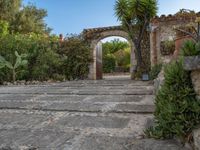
(192, 63)
(94, 122)
(158, 82)
(196, 136)
(195, 75)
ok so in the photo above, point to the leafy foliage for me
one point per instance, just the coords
(191, 48)
(116, 53)
(114, 46)
(4, 28)
(155, 70)
(8, 9)
(109, 63)
(177, 110)
(123, 57)
(20, 61)
(76, 57)
(47, 58)
(24, 19)
(30, 19)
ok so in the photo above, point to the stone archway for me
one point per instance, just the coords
(94, 36)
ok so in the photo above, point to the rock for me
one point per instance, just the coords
(21, 82)
(158, 82)
(196, 81)
(196, 137)
(149, 123)
(192, 63)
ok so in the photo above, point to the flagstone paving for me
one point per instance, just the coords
(107, 114)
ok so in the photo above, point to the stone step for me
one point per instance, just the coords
(79, 107)
(77, 98)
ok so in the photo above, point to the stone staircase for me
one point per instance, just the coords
(107, 114)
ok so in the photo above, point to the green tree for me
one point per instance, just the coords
(24, 19)
(114, 46)
(8, 9)
(30, 19)
(135, 17)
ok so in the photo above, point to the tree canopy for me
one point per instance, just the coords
(114, 46)
(23, 19)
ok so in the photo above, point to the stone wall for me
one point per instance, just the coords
(163, 29)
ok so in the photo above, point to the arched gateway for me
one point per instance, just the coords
(94, 36)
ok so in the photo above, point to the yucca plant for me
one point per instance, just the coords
(135, 16)
(20, 61)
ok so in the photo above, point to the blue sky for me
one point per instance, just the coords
(72, 16)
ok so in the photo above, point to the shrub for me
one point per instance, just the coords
(109, 63)
(42, 58)
(177, 110)
(47, 57)
(167, 47)
(155, 70)
(4, 28)
(123, 57)
(76, 57)
(191, 48)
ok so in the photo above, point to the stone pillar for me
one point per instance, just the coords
(133, 60)
(158, 41)
(154, 45)
(92, 66)
(99, 65)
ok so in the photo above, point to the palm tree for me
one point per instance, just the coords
(135, 16)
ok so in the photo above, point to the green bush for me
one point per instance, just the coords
(177, 110)
(8, 45)
(43, 60)
(4, 28)
(155, 70)
(167, 47)
(191, 48)
(116, 56)
(47, 57)
(109, 63)
(76, 57)
(123, 57)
